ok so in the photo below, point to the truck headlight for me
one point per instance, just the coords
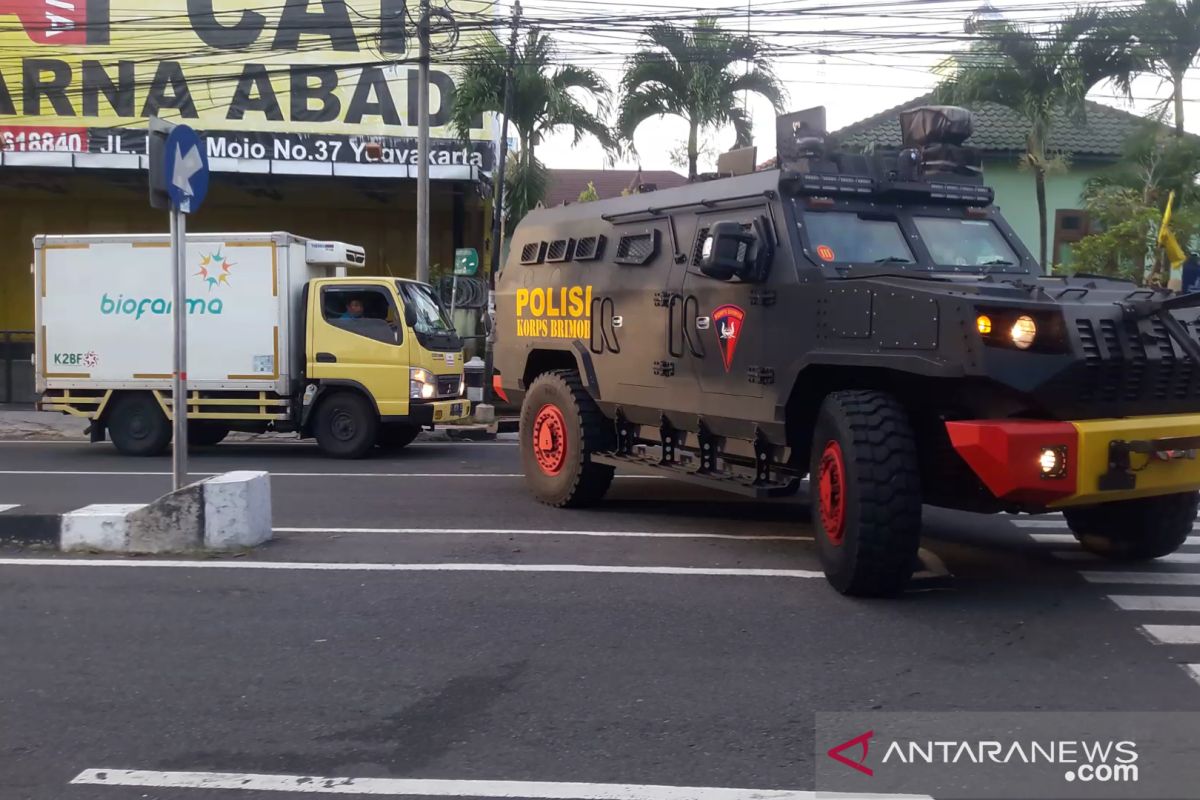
(422, 385)
(1023, 332)
(462, 386)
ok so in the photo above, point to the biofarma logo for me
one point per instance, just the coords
(137, 307)
(214, 269)
(1086, 760)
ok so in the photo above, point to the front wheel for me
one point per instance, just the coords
(1135, 530)
(206, 434)
(346, 425)
(866, 493)
(560, 426)
(397, 435)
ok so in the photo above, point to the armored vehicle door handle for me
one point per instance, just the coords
(703, 323)
(676, 352)
(695, 344)
(326, 358)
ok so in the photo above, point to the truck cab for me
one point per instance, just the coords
(378, 349)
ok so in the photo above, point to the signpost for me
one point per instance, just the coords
(466, 264)
(178, 182)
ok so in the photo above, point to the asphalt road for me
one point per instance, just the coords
(420, 617)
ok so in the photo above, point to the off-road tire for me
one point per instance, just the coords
(205, 434)
(137, 425)
(346, 425)
(873, 551)
(1135, 530)
(397, 435)
(584, 430)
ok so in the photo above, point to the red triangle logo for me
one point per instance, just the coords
(862, 740)
(728, 321)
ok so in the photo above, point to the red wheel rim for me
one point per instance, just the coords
(832, 489)
(550, 439)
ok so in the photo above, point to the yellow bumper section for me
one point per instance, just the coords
(1119, 459)
(450, 410)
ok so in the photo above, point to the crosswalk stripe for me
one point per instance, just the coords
(1193, 670)
(1173, 558)
(1132, 602)
(7, 507)
(1172, 634)
(1068, 538)
(1152, 578)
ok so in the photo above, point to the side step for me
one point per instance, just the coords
(726, 483)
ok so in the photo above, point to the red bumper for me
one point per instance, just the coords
(1004, 454)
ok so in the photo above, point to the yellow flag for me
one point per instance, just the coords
(1167, 240)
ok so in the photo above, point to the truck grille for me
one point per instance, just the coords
(1127, 360)
(447, 385)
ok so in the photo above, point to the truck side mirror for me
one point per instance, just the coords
(726, 250)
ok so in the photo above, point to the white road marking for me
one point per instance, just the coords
(425, 787)
(1172, 634)
(93, 473)
(1173, 558)
(537, 532)
(1193, 670)
(289, 442)
(7, 507)
(1068, 538)
(1053, 523)
(336, 566)
(1131, 602)
(1151, 578)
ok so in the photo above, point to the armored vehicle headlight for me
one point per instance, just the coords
(1023, 332)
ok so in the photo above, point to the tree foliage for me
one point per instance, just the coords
(1037, 73)
(694, 73)
(1164, 38)
(589, 194)
(545, 99)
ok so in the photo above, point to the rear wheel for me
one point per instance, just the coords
(1135, 530)
(560, 426)
(206, 434)
(866, 493)
(138, 426)
(397, 435)
(346, 425)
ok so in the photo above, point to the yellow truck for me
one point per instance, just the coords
(281, 337)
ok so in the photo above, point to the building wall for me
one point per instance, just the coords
(1017, 198)
(381, 219)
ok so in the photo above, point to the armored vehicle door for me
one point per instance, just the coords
(629, 319)
(722, 322)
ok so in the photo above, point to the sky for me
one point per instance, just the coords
(855, 58)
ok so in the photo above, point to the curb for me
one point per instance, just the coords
(222, 513)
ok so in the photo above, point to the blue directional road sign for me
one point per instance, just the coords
(185, 165)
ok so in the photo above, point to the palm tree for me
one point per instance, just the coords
(693, 73)
(545, 98)
(1038, 73)
(1167, 40)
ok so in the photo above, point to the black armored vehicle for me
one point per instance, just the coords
(867, 319)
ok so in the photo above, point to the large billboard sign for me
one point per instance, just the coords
(296, 80)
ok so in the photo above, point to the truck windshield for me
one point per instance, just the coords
(427, 318)
(844, 237)
(972, 243)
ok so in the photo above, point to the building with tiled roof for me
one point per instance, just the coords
(565, 185)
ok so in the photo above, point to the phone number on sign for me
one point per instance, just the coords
(43, 140)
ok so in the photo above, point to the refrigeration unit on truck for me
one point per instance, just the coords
(282, 335)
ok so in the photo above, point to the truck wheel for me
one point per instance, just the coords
(1135, 530)
(346, 425)
(560, 426)
(138, 426)
(397, 435)
(866, 493)
(206, 434)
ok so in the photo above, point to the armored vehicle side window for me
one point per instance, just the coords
(366, 311)
(965, 242)
(844, 237)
